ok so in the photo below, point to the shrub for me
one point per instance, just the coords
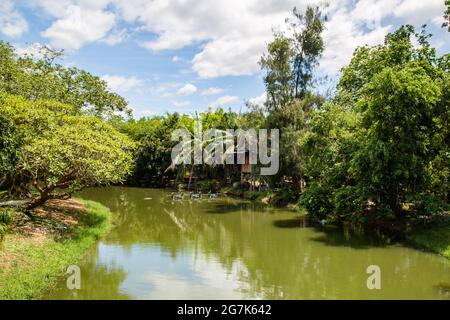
(316, 199)
(430, 205)
(349, 203)
(5, 219)
(6, 216)
(283, 197)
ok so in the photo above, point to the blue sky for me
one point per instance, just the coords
(186, 55)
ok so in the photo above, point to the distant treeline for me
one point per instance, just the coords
(374, 153)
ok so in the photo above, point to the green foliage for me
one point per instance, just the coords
(431, 205)
(289, 64)
(434, 238)
(153, 135)
(41, 77)
(6, 216)
(3, 230)
(317, 201)
(308, 46)
(10, 142)
(283, 197)
(290, 59)
(63, 151)
(5, 219)
(397, 107)
(278, 79)
(153, 154)
(446, 23)
(384, 140)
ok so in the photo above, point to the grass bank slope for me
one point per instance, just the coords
(34, 253)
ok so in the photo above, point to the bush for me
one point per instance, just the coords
(430, 205)
(208, 185)
(6, 216)
(5, 219)
(316, 199)
(254, 195)
(348, 202)
(283, 197)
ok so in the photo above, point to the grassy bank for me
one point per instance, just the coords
(435, 239)
(34, 253)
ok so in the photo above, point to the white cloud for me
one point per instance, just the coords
(259, 100)
(115, 37)
(77, 25)
(233, 42)
(164, 90)
(180, 104)
(226, 101)
(12, 23)
(187, 90)
(341, 38)
(231, 35)
(123, 84)
(420, 12)
(212, 91)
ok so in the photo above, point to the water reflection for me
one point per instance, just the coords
(107, 276)
(226, 248)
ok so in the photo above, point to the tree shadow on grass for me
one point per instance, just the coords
(57, 218)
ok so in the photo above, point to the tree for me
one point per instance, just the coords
(289, 64)
(10, 142)
(38, 77)
(328, 146)
(380, 152)
(278, 79)
(308, 46)
(290, 59)
(398, 108)
(63, 151)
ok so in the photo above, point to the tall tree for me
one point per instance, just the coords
(289, 65)
(308, 46)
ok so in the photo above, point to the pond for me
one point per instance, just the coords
(227, 248)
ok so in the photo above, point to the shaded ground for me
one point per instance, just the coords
(435, 239)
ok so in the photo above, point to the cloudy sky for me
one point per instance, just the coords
(185, 55)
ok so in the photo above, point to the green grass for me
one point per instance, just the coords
(36, 265)
(435, 239)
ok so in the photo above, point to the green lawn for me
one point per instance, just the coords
(30, 265)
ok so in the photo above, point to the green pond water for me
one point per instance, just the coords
(230, 249)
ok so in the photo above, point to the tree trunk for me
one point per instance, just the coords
(38, 201)
(190, 177)
(298, 183)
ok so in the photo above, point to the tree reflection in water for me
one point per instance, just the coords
(258, 251)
